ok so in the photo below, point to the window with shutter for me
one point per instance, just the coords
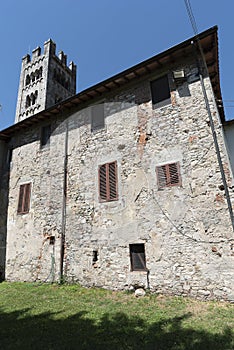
(137, 257)
(97, 118)
(160, 91)
(108, 182)
(168, 175)
(24, 198)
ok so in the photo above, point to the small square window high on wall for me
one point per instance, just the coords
(24, 198)
(137, 257)
(168, 175)
(108, 190)
(160, 91)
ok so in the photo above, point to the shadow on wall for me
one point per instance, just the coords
(115, 331)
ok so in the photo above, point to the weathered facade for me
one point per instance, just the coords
(120, 186)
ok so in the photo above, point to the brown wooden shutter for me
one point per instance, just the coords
(24, 199)
(102, 183)
(162, 176)
(27, 198)
(108, 182)
(113, 181)
(21, 196)
(168, 175)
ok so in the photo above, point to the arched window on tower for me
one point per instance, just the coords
(32, 77)
(37, 74)
(28, 102)
(34, 97)
(40, 72)
(27, 80)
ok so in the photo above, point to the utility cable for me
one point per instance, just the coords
(193, 23)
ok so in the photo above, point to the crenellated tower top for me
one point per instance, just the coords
(45, 80)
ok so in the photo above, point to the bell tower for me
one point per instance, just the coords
(45, 80)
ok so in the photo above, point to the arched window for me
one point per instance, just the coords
(33, 77)
(27, 79)
(34, 97)
(37, 74)
(40, 72)
(28, 102)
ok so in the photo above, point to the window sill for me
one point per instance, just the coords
(142, 272)
(164, 103)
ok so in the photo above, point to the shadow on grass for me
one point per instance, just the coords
(112, 332)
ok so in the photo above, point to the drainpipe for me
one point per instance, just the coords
(64, 199)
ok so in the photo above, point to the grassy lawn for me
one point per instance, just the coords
(34, 316)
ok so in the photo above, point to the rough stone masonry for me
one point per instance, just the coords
(165, 225)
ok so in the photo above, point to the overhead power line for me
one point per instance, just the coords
(204, 64)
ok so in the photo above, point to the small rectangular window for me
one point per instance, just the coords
(108, 182)
(137, 257)
(45, 135)
(24, 198)
(97, 118)
(168, 175)
(160, 91)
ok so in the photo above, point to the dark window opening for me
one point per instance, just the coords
(52, 240)
(137, 257)
(28, 102)
(168, 175)
(24, 198)
(108, 182)
(27, 80)
(95, 256)
(45, 135)
(160, 90)
(98, 120)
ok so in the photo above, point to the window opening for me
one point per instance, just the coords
(52, 240)
(168, 175)
(45, 135)
(97, 118)
(160, 90)
(24, 198)
(137, 257)
(108, 182)
(95, 256)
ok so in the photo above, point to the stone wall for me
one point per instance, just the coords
(186, 229)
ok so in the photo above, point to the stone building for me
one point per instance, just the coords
(121, 185)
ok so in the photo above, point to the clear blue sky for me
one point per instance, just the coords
(104, 37)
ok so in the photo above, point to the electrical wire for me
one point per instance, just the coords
(191, 16)
(185, 234)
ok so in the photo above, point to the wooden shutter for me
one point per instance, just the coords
(108, 182)
(102, 183)
(168, 175)
(24, 199)
(137, 256)
(112, 176)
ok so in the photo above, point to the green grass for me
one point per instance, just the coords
(34, 316)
